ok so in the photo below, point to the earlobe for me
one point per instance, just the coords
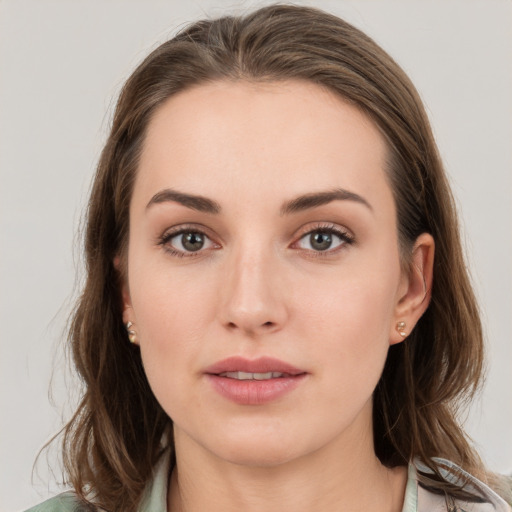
(415, 293)
(128, 313)
(132, 333)
(129, 324)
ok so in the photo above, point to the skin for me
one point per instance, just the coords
(258, 287)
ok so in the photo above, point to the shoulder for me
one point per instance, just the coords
(486, 499)
(65, 502)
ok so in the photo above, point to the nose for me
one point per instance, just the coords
(253, 298)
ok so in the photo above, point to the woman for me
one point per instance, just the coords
(277, 313)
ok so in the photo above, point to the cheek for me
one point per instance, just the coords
(172, 313)
(167, 299)
(353, 328)
(359, 299)
(350, 317)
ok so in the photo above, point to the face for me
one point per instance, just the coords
(263, 270)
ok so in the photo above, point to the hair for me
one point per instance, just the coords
(110, 449)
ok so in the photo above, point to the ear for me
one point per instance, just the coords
(128, 313)
(415, 289)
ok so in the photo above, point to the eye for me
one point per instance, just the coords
(186, 242)
(325, 239)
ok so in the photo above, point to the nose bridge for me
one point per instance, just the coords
(252, 296)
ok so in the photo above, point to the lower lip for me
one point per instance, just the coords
(254, 392)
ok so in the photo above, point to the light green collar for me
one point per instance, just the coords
(155, 495)
(416, 498)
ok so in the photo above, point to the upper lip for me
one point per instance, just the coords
(260, 365)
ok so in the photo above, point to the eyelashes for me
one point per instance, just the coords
(321, 240)
(187, 241)
(324, 240)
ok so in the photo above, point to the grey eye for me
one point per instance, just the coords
(192, 241)
(322, 240)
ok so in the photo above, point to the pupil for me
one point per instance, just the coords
(192, 241)
(321, 241)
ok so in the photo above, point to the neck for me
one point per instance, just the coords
(346, 478)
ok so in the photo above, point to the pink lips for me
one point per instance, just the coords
(258, 391)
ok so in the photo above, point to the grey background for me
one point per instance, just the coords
(61, 66)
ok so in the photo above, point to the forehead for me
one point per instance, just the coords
(264, 138)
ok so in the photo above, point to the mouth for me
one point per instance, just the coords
(254, 382)
(249, 369)
(254, 376)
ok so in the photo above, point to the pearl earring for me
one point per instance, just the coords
(400, 327)
(132, 334)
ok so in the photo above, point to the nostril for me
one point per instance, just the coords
(266, 325)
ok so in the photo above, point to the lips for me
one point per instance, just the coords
(260, 365)
(253, 376)
(253, 382)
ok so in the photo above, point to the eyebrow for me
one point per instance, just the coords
(199, 203)
(315, 199)
(298, 204)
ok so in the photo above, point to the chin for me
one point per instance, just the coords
(258, 449)
(258, 456)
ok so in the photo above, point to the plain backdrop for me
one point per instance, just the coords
(61, 66)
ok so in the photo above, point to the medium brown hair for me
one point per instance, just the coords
(113, 441)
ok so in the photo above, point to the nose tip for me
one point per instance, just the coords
(252, 328)
(253, 298)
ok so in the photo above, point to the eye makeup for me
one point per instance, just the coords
(323, 240)
(320, 240)
(191, 241)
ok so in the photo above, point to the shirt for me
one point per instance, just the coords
(417, 499)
